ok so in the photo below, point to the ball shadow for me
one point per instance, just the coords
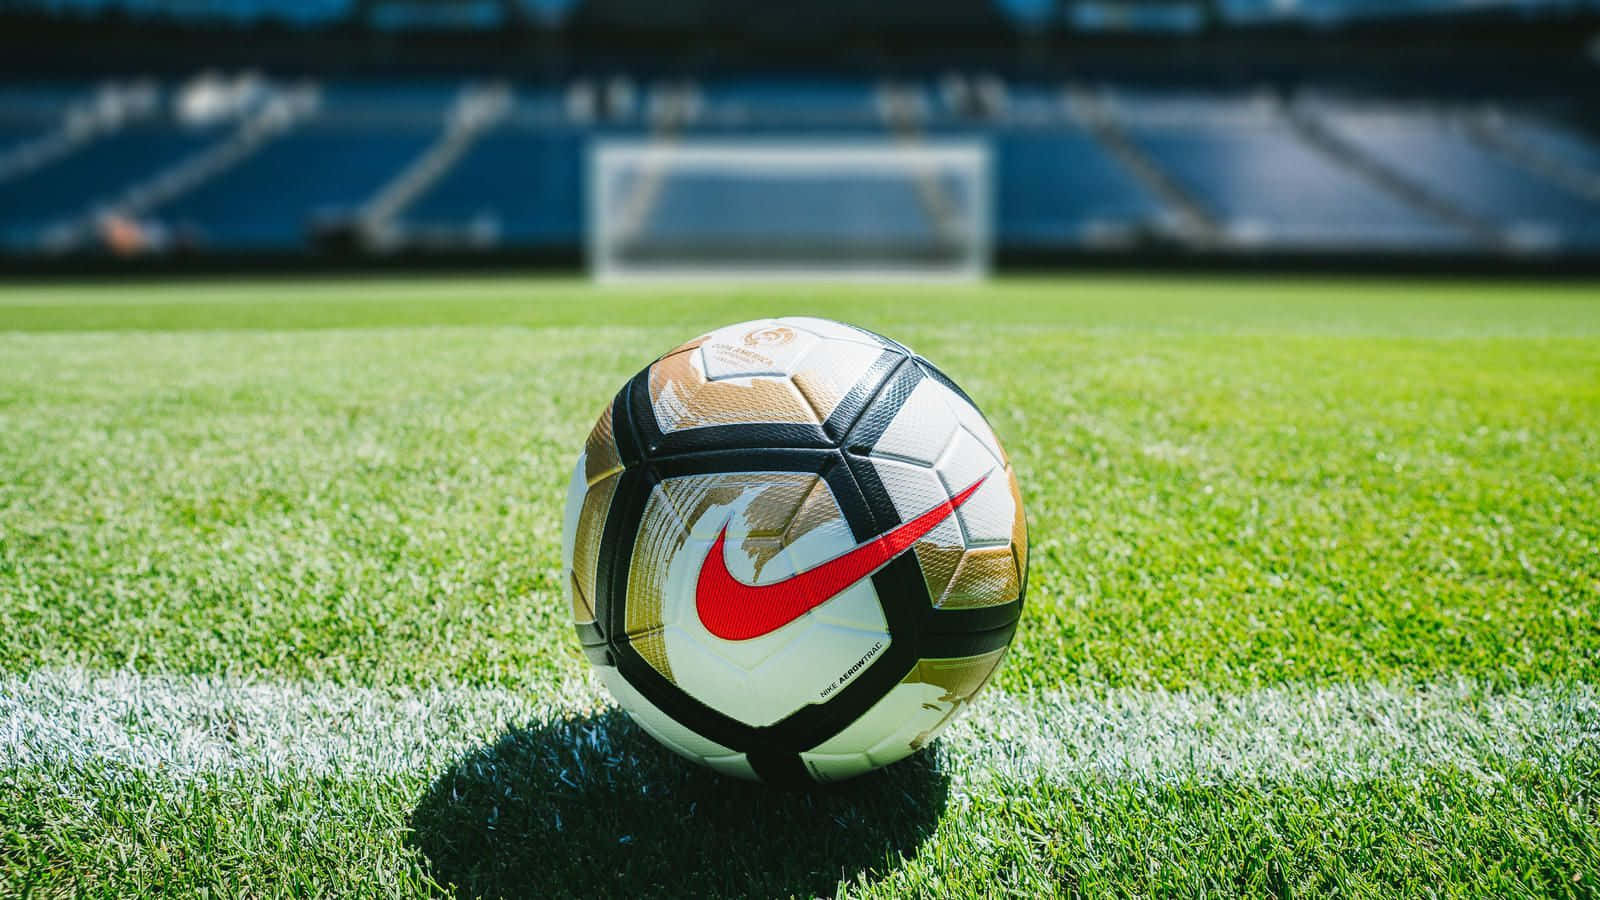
(591, 806)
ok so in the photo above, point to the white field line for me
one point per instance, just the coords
(188, 727)
(1340, 732)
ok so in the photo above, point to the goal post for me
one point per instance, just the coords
(851, 209)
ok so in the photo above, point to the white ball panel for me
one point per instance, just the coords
(737, 765)
(854, 607)
(922, 428)
(830, 369)
(719, 675)
(820, 656)
(796, 675)
(661, 726)
(973, 422)
(912, 489)
(833, 331)
(828, 767)
(964, 461)
(877, 724)
(986, 517)
(754, 348)
(886, 731)
(815, 547)
(930, 717)
(915, 490)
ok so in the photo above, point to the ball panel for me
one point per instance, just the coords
(1019, 527)
(589, 495)
(651, 644)
(945, 687)
(737, 765)
(827, 768)
(759, 347)
(658, 539)
(664, 728)
(686, 345)
(766, 506)
(758, 372)
(913, 490)
(890, 715)
(986, 576)
(778, 524)
(986, 516)
(683, 397)
(854, 607)
(600, 456)
(922, 429)
(915, 711)
(829, 371)
(817, 510)
(577, 489)
(587, 508)
(973, 422)
(819, 660)
(939, 563)
(834, 331)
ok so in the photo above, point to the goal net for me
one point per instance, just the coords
(788, 209)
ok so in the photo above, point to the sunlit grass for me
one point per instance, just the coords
(1231, 484)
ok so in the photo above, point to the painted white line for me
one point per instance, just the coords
(1339, 732)
(186, 727)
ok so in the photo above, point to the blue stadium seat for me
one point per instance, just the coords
(753, 106)
(526, 181)
(94, 174)
(1057, 188)
(41, 101)
(1246, 12)
(1562, 144)
(297, 13)
(269, 201)
(14, 134)
(1172, 18)
(1442, 159)
(1267, 185)
(389, 99)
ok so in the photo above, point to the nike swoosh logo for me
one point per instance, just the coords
(735, 611)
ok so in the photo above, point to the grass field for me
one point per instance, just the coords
(1314, 603)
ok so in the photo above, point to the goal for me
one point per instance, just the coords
(788, 209)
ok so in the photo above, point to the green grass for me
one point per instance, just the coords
(1231, 484)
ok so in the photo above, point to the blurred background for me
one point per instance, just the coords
(941, 138)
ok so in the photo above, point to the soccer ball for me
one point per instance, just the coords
(795, 550)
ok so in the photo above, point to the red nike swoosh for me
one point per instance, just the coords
(735, 611)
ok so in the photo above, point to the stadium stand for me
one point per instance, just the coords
(1330, 12)
(73, 186)
(1549, 140)
(1263, 183)
(517, 184)
(1439, 153)
(1088, 15)
(271, 200)
(772, 105)
(1074, 168)
(1060, 188)
(390, 152)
